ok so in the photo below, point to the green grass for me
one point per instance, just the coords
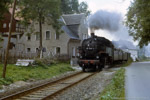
(20, 73)
(115, 90)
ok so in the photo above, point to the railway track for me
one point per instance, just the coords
(49, 90)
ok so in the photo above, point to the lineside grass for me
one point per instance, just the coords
(20, 73)
(115, 90)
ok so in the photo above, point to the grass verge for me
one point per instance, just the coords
(21, 73)
(115, 90)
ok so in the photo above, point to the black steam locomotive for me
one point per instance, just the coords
(97, 52)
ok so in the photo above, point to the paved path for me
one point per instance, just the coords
(137, 86)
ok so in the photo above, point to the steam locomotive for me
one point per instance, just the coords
(97, 52)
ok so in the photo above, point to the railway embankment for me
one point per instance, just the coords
(115, 89)
(19, 76)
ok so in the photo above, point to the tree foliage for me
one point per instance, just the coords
(3, 7)
(138, 21)
(41, 11)
(73, 6)
(83, 8)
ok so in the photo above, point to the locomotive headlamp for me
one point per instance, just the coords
(80, 56)
(97, 57)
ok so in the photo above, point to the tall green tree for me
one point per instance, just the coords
(41, 11)
(83, 8)
(138, 21)
(73, 6)
(69, 6)
(3, 7)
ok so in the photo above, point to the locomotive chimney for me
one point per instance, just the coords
(92, 35)
(92, 32)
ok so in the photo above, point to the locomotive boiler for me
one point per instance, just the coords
(96, 52)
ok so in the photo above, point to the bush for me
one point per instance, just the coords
(62, 58)
(6, 81)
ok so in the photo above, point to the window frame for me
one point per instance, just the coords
(4, 25)
(36, 37)
(28, 38)
(56, 50)
(46, 35)
(29, 50)
(56, 36)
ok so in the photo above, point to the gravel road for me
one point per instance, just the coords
(138, 81)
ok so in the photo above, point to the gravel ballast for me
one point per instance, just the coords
(21, 85)
(88, 89)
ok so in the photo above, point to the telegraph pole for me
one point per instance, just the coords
(9, 38)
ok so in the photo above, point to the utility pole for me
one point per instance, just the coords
(9, 38)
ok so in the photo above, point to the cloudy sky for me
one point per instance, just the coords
(115, 5)
(119, 6)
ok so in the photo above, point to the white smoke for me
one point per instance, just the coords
(105, 20)
(110, 24)
(124, 44)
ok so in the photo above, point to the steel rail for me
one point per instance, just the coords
(36, 88)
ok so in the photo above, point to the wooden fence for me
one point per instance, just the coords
(13, 56)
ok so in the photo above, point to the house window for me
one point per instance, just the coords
(57, 50)
(37, 36)
(57, 36)
(4, 25)
(28, 38)
(17, 29)
(47, 35)
(37, 50)
(28, 49)
(84, 36)
(73, 52)
(9, 24)
(17, 25)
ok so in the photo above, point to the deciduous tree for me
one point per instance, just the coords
(3, 7)
(41, 11)
(73, 6)
(138, 21)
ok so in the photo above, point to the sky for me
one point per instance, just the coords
(119, 6)
(115, 5)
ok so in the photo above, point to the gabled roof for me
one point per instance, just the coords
(72, 19)
(70, 33)
(72, 22)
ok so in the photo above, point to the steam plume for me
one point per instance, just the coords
(104, 20)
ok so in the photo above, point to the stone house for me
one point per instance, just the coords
(17, 31)
(75, 30)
